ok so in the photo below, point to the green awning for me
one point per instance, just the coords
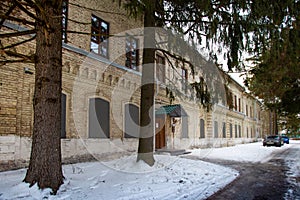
(171, 110)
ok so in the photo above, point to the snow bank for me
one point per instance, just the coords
(125, 179)
(252, 152)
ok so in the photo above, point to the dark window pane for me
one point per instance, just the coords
(63, 115)
(131, 121)
(216, 129)
(98, 118)
(224, 130)
(202, 129)
(185, 129)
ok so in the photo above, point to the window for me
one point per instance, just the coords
(132, 53)
(202, 129)
(235, 102)
(240, 131)
(247, 132)
(251, 112)
(230, 130)
(236, 130)
(185, 127)
(215, 129)
(99, 38)
(63, 115)
(246, 110)
(64, 20)
(224, 129)
(184, 78)
(98, 118)
(239, 104)
(131, 121)
(160, 68)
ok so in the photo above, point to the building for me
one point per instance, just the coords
(101, 92)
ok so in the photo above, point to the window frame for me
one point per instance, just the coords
(184, 78)
(63, 131)
(97, 39)
(129, 58)
(160, 67)
(65, 10)
(235, 103)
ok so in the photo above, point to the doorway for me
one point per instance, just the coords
(160, 135)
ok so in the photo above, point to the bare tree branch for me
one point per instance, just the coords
(19, 55)
(192, 26)
(19, 43)
(21, 20)
(25, 10)
(176, 57)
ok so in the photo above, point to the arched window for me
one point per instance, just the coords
(131, 121)
(224, 129)
(236, 130)
(216, 129)
(202, 128)
(185, 127)
(63, 115)
(98, 118)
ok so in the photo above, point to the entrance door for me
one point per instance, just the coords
(160, 136)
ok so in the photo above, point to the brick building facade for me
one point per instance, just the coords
(101, 93)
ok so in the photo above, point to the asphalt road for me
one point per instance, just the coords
(272, 180)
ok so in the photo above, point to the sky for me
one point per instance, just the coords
(171, 178)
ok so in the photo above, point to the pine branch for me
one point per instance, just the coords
(19, 33)
(176, 57)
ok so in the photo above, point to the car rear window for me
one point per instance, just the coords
(272, 137)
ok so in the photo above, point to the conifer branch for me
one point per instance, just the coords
(19, 33)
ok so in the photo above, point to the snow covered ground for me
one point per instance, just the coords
(252, 152)
(124, 179)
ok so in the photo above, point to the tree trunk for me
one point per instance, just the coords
(45, 161)
(147, 119)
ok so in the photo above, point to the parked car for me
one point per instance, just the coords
(273, 140)
(285, 139)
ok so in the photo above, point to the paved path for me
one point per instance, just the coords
(272, 180)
